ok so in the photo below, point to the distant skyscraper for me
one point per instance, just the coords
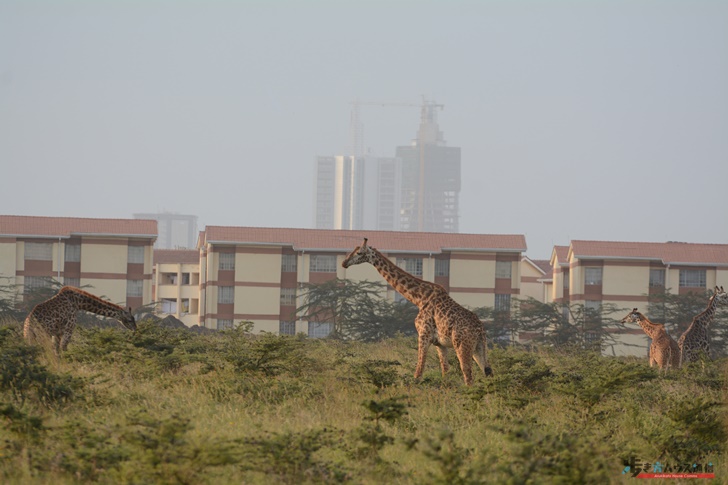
(430, 187)
(175, 231)
(418, 190)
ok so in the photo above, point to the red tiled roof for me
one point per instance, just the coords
(669, 252)
(176, 256)
(386, 241)
(544, 265)
(561, 253)
(33, 226)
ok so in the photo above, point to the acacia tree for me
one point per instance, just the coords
(356, 310)
(678, 311)
(553, 323)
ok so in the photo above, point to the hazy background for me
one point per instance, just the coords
(576, 119)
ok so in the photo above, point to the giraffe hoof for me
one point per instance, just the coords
(488, 372)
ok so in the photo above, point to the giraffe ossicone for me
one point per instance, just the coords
(441, 321)
(56, 317)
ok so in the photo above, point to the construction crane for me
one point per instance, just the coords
(427, 114)
(428, 120)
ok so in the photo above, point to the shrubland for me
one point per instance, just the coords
(171, 406)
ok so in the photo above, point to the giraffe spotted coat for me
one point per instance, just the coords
(56, 317)
(441, 321)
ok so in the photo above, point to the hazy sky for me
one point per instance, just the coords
(600, 119)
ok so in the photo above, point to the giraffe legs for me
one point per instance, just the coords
(444, 365)
(423, 343)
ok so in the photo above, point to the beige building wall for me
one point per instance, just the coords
(108, 259)
(259, 268)
(625, 280)
(8, 262)
(530, 287)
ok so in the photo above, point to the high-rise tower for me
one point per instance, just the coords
(417, 190)
(430, 178)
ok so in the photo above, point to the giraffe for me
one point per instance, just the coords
(695, 339)
(664, 351)
(57, 315)
(441, 321)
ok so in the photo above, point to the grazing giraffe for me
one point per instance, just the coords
(57, 315)
(664, 351)
(441, 320)
(695, 339)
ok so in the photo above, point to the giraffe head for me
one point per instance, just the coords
(126, 318)
(632, 317)
(360, 254)
(721, 297)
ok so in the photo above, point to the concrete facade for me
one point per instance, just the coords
(109, 257)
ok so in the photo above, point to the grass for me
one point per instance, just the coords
(169, 406)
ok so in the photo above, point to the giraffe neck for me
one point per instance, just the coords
(651, 329)
(414, 289)
(93, 304)
(706, 316)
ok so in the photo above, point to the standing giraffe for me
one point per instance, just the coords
(57, 315)
(441, 320)
(664, 351)
(695, 339)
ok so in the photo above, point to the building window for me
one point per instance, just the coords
(185, 305)
(135, 255)
(319, 329)
(288, 296)
(503, 303)
(592, 276)
(169, 305)
(442, 267)
(593, 311)
(134, 288)
(185, 278)
(692, 278)
(35, 282)
(224, 324)
(227, 261)
(225, 294)
(73, 253)
(289, 263)
(72, 281)
(565, 276)
(411, 265)
(503, 269)
(287, 328)
(38, 251)
(657, 277)
(323, 263)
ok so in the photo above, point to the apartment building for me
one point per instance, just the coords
(534, 274)
(624, 274)
(176, 288)
(110, 257)
(254, 274)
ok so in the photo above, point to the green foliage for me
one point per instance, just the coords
(171, 406)
(546, 457)
(454, 463)
(379, 373)
(268, 354)
(292, 457)
(23, 377)
(356, 310)
(520, 378)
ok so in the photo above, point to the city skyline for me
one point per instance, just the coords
(600, 120)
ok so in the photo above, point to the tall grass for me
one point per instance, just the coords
(170, 406)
